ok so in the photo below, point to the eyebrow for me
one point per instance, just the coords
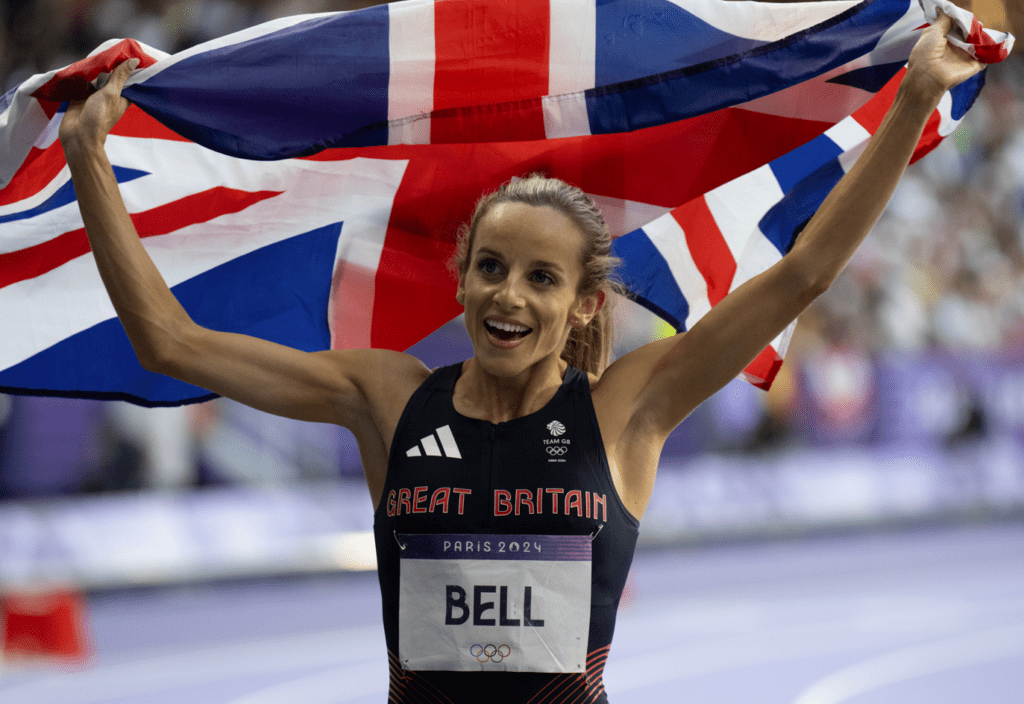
(536, 263)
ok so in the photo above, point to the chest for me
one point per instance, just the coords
(538, 474)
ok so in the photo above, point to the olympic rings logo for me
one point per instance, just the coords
(557, 449)
(489, 652)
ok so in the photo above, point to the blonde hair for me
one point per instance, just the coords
(589, 347)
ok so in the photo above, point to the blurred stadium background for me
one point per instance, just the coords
(901, 405)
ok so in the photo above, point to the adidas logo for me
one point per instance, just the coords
(432, 449)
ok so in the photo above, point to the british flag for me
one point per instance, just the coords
(303, 180)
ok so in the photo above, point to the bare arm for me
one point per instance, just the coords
(342, 387)
(661, 383)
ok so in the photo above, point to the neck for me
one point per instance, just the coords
(479, 394)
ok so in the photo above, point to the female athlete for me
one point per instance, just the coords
(508, 488)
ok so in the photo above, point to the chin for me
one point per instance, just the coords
(505, 366)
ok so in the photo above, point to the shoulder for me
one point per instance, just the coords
(628, 376)
(623, 394)
(383, 370)
(382, 381)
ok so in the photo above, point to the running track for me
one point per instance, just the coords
(924, 617)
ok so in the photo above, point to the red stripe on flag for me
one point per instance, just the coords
(761, 372)
(136, 123)
(520, 121)
(40, 168)
(49, 107)
(420, 239)
(672, 164)
(75, 81)
(665, 165)
(930, 138)
(35, 261)
(488, 53)
(871, 114)
(707, 247)
(986, 49)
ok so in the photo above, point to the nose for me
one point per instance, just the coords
(508, 296)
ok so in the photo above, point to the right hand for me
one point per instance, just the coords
(935, 64)
(92, 119)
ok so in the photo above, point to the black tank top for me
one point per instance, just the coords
(543, 474)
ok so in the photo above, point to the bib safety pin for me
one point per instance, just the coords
(594, 534)
(395, 533)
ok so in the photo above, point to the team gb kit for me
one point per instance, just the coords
(502, 551)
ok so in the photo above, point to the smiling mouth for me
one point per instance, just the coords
(506, 331)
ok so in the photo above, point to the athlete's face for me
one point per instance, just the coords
(520, 289)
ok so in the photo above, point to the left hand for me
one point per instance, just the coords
(935, 64)
(89, 121)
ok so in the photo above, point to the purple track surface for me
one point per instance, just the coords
(923, 617)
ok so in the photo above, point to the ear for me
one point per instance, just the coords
(586, 308)
(460, 293)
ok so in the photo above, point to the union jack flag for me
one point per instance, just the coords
(302, 180)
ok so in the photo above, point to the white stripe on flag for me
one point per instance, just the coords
(411, 77)
(739, 205)
(624, 216)
(666, 234)
(570, 68)
(571, 47)
(49, 135)
(565, 116)
(20, 126)
(757, 256)
(448, 442)
(847, 134)
(781, 343)
(430, 446)
(754, 20)
(850, 136)
(947, 124)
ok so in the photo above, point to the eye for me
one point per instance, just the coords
(489, 266)
(542, 277)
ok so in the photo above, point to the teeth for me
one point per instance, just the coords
(507, 327)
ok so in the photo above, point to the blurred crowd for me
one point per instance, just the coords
(943, 273)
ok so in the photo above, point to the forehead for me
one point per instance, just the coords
(530, 231)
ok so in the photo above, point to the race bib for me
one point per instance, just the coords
(514, 603)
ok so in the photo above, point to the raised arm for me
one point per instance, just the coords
(359, 389)
(649, 391)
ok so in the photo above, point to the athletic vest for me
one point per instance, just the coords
(458, 483)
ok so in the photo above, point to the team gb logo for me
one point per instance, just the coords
(556, 428)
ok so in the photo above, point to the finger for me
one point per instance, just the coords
(943, 22)
(120, 74)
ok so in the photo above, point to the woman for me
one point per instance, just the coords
(508, 488)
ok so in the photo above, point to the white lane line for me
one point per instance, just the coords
(760, 636)
(914, 662)
(353, 646)
(766, 645)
